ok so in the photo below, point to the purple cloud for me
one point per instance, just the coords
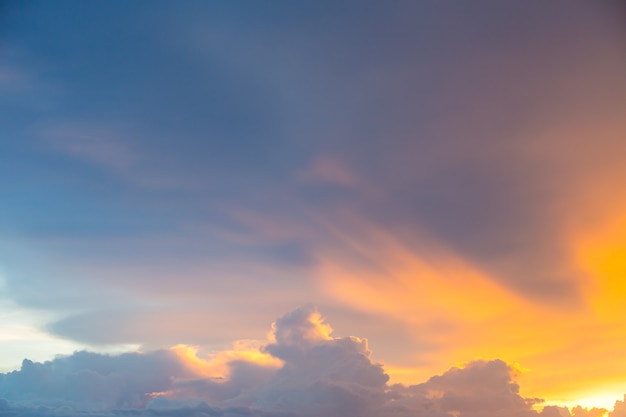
(320, 375)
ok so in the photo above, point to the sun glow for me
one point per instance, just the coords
(603, 256)
(217, 365)
(600, 401)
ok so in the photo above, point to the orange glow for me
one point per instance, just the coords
(381, 274)
(318, 332)
(217, 364)
(590, 399)
(603, 256)
(393, 279)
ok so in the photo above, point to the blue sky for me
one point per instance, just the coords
(185, 173)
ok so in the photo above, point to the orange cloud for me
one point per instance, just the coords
(217, 365)
(376, 271)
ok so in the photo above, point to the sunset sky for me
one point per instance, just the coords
(313, 208)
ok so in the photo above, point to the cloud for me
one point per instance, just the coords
(93, 381)
(100, 146)
(322, 375)
(620, 409)
(326, 169)
(303, 371)
(578, 411)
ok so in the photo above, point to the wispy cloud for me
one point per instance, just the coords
(326, 169)
(104, 146)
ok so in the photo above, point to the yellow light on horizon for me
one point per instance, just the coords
(601, 400)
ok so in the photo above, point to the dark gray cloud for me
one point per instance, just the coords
(320, 375)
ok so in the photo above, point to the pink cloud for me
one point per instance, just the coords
(327, 169)
(312, 373)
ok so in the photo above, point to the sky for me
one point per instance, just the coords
(339, 208)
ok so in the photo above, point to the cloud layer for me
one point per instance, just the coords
(302, 371)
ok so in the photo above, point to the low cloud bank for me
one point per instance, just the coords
(303, 371)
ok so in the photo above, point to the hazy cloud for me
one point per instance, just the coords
(313, 374)
(328, 170)
(93, 381)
